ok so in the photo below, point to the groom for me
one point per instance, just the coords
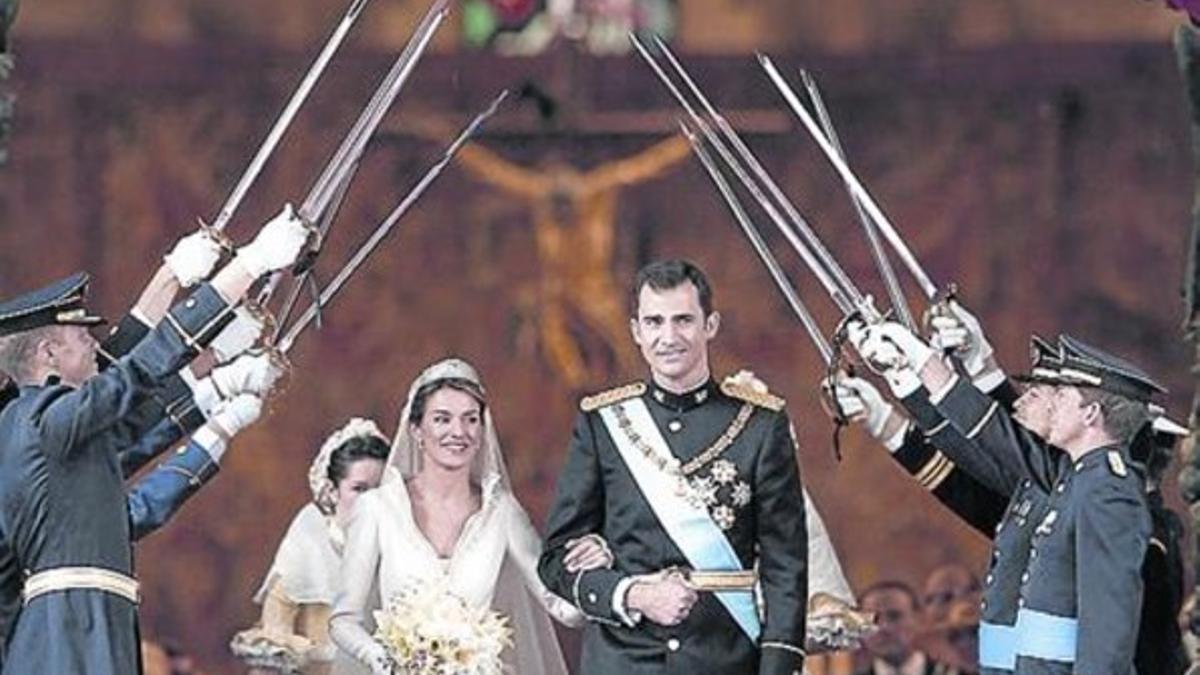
(696, 489)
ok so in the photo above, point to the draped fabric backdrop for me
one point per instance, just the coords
(1050, 181)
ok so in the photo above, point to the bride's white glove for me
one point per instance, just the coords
(379, 662)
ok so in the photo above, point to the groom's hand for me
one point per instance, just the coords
(666, 600)
(587, 553)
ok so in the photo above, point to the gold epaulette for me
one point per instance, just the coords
(762, 399)
(604, 398)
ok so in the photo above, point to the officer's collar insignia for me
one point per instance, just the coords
(685, 400)
(615, 395)
(1117, 464)
(1047, 523)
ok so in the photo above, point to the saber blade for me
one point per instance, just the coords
(814, 242)
(894, 291)
(885, 226)
(356, 139)
(364, 252)
(287, 115)
(346, 158)
(841, 297)
(760, 247)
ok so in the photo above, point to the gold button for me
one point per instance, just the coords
(673, 644)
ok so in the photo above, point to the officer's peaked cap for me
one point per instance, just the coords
(60, 303)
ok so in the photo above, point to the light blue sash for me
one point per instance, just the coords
(997, 646)
(1046, 636)
(1037, 635)
(687, 524)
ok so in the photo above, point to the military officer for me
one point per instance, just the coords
(1080, 593)
(695, 488)
(62, 504)
(1159, 648)
(970, 482)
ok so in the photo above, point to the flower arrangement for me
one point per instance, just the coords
(428, 630)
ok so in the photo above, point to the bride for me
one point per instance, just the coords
(445, 512)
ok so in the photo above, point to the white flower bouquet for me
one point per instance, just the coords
(428, 630)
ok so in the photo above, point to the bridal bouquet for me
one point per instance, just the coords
(428, 630)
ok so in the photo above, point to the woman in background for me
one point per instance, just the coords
(298, 592)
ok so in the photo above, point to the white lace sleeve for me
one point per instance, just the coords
(360, 565)
(525, 547)
(824, 569)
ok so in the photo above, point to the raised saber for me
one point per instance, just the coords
(760, 246)
(841, 296)
(286, 116)
(351, 148)
(890, 282)
(831, 265)
(885, 226)
(306, 277)
(360, 256)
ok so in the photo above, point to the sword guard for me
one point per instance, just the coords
(309, 256)
(939, 307)
(218, 236)
(262, 315)
(280, 361)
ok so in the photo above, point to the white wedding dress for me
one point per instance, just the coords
(493, 563)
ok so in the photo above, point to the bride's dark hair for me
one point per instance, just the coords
(421, 398)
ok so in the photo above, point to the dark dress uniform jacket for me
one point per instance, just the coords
(974, 482)
(62, 501)
(1085, 552)
(598, 494)
(1159, 646)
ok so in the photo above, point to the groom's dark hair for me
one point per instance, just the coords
(663, 275)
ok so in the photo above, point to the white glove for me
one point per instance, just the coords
(892, 350)
(193, 258)
(860, 401)
(237, 413)
(238, 336)
(961, 333)
(229, 419)
(277, 245)
(247, 374)
(890, 345)
(378, 661)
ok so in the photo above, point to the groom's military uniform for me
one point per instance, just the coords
(678, 481)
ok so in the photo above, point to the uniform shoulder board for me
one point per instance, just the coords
(762, 399)
(606, 398)
(1116, 464)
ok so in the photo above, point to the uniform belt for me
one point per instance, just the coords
(739, 580)
(997, 646)
(93, 578)
(1046, 636)
(1037, 635)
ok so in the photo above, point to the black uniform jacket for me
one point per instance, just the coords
(740, 446)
